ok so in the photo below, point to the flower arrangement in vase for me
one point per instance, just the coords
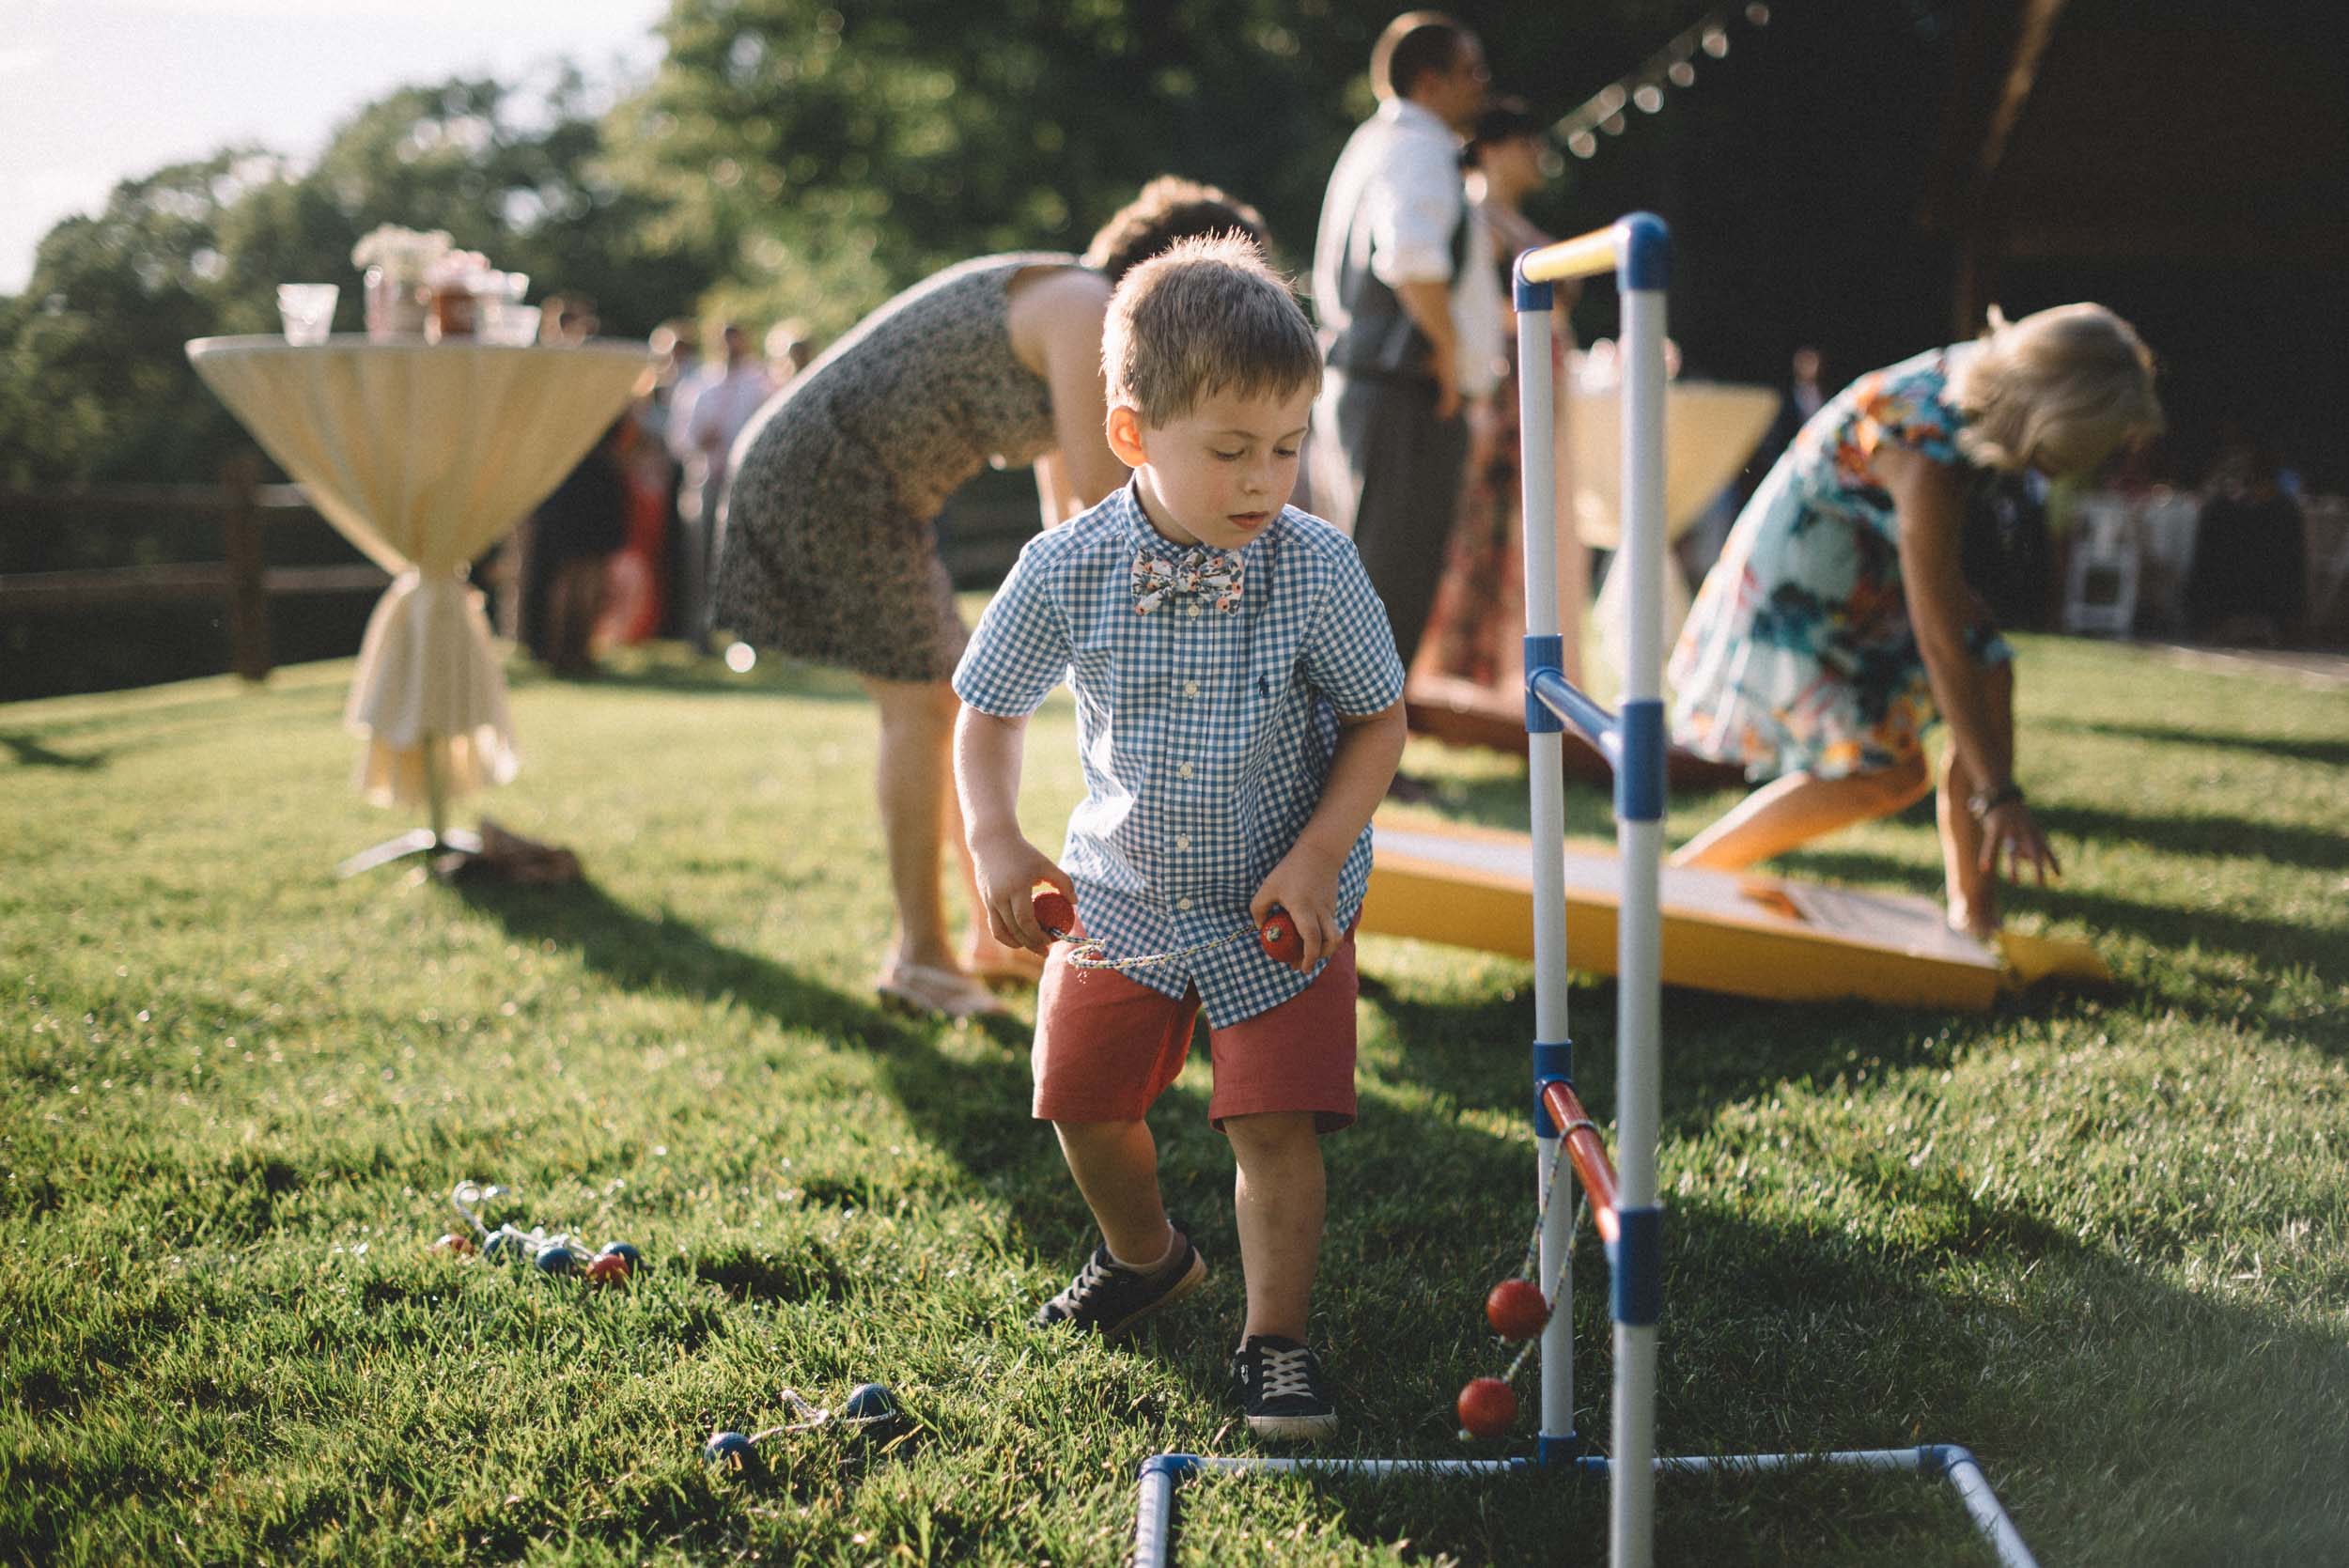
(399, 263)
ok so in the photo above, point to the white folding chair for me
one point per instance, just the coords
(2100, 587)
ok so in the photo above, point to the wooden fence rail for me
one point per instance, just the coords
(243, 580)
(979, 534)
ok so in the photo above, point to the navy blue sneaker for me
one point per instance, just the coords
(1281, 1389)
(1110, 1298)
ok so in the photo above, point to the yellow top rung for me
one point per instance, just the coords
(1585, 255)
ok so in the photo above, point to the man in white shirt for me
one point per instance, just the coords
(704, 421)
(1411, 317)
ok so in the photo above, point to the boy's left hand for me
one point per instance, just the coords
(1305, 884)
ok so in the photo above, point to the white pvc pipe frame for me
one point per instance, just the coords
(1636, 249)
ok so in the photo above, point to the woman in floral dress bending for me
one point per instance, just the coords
(1836, 627)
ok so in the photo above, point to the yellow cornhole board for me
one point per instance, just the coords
(1723, 931)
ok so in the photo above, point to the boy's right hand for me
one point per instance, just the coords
(1009, 870)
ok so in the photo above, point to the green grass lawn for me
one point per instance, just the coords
(2104, 1240)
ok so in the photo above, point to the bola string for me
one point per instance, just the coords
(810, 1418)
(468, 1199)
(1278, 935)
(1092, 955)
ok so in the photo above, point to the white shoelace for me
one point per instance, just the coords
(1089, 1279)
(1287, 1373)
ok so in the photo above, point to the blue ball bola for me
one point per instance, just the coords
(730, 1451)
(872, 1411)
(622, 1249)
(502, 1247)
(556, 1259)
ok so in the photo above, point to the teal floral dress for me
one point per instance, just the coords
(1797, 655)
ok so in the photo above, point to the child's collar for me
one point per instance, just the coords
(1144, 533)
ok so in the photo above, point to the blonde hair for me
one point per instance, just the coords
(2056, 391)
(1205, 316)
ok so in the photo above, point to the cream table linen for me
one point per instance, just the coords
(423, 456)
(1710, 429)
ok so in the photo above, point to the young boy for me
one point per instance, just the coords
(1240, 711)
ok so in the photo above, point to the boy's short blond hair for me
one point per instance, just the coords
(1206, 316)
(2056, 391)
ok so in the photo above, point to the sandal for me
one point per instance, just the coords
(920, 988)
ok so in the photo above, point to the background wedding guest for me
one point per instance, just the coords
(1411, 314)
(789, 350)
(2249, 582)
(1476, 624)
(1838, 624)
(721, 404)
(637, 580)
(567, 318)
(573, 535)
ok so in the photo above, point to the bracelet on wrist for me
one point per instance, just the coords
(1983, 803)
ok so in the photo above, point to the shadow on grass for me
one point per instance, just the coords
(2332, 754)
(2215, 837)
(29, 752)
(1721, 1048)
(1785, 1330)
(974, 1108)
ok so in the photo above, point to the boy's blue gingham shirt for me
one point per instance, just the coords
(1206, 737)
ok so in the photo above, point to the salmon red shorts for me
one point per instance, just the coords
(1107, 1048)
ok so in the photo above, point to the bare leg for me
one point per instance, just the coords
(1116, 1167)
(917, 723)
(1279, 1199)
(1792, 811)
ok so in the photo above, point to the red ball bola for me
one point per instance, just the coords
(1282, 942)
(1517, 1309)
(1488, 1407)
(1054, 912)
(607, 1269)
(457, 1246)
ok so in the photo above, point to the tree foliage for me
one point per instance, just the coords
(94, 378)
(805, 157)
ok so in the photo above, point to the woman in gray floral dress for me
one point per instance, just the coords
(829, 547)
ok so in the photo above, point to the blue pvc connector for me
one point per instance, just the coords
(1557, 1450)
(1565, 699)
(1640, 772)
(1173, 1465)
(1530, 295)
(1644, 251)
(1636, 1262)
(1546, 652)
(1552, 1064)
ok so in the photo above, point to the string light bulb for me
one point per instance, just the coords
(1674, 63)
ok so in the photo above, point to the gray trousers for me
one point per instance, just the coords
(1401, 475)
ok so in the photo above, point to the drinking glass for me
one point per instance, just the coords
(307, 310)
(504, 321)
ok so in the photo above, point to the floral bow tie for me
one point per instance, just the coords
(1214, 574)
